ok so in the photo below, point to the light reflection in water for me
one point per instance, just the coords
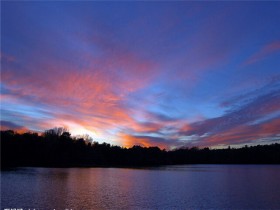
(185, 186)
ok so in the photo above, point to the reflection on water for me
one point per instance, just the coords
(170, 187)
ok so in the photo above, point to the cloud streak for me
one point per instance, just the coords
(257, 118)
(264, 52)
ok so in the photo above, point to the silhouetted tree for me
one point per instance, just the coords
(56, 148)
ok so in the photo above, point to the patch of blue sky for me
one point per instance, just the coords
(25, 110)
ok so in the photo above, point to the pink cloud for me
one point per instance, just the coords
(128, 140)
(243, 134)
(264, 52)
(93, 97)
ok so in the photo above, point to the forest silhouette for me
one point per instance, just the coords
(57, 148)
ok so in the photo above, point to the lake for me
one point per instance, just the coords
(168, 187)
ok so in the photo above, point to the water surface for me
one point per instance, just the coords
(170, 187)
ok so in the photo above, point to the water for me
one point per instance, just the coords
(170, 187)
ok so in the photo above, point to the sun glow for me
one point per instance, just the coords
(77, 129)
(81, 130)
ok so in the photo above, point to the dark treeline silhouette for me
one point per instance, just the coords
(56, 148)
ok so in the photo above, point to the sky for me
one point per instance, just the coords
(168, 74)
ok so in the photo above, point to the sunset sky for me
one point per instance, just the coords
(165, 74)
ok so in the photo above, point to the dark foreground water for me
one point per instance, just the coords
(171, 187)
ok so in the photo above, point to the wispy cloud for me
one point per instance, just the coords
(265, 51)
(243, 122)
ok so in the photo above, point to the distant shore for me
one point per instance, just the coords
(61, 150)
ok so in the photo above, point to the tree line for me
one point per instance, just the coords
(57, 148)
